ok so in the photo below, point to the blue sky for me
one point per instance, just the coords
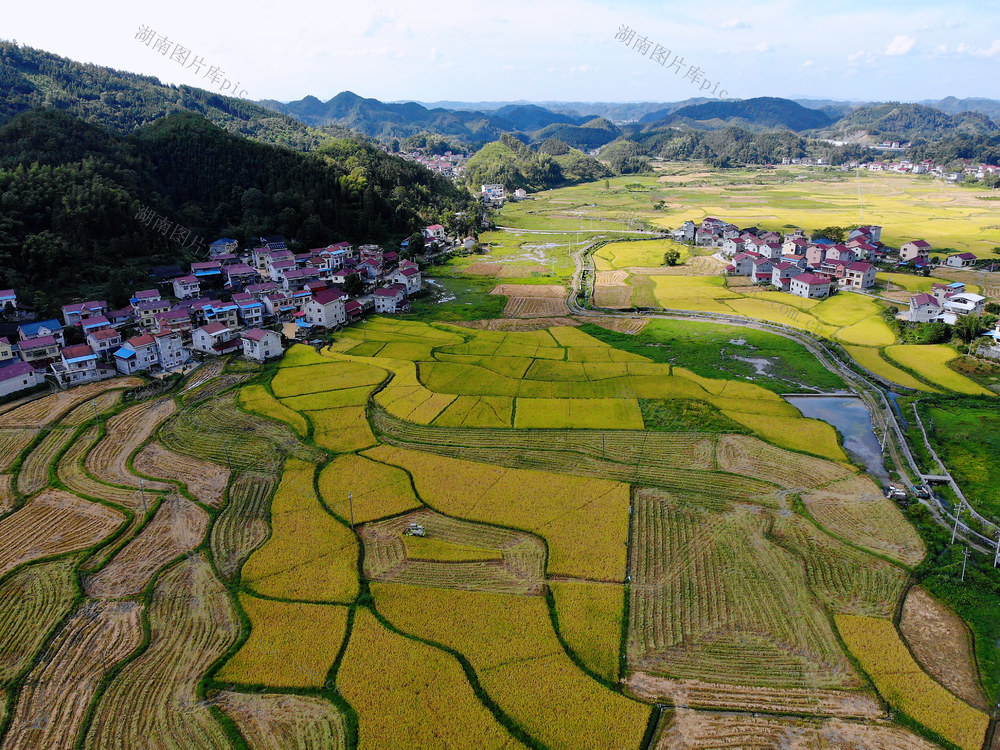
(552, 50)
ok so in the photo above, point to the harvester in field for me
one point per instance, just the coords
(414, 529)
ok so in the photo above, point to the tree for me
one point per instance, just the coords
(353, 285)
(671, 257)
(993, 308)
(834, 233)
(925, 271)
(417, 243)
(968, 328)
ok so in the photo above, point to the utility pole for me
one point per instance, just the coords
(958, 512)
(965, 559)
(142, 492)
(350, 502)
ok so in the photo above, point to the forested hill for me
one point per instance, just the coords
(124, 102)
(71, 192)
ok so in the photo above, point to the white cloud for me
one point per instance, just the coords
(763, 47)
(962, 48)
(808, 64)
(942, 49)
(900, 45)
(854, 56)
(991, 51)
(735, 23)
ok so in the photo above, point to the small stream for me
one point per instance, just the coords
(851, 418)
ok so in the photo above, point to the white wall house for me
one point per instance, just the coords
(810, 286)
(326, 308)
(260, 345)
(19, 377)
(923, 308)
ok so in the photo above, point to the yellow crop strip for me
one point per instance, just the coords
(290, 644)
(409, 694)
(375, 489)
(310, 556)
(876, 644)
(931, 363)
(590, 620)
(510, 643)
(342, 430)
(255, 398)
(872, 359)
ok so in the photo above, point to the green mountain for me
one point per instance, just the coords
(760, 113)
(514, 164)
(906, 122)
(72, 192)
(124, 102)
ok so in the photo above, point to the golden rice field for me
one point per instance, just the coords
(872, 359)
(931, 363)
(511, 644)
(310, 556)
(291, 644)
(590, 621)
(435, 706)
(876, 644)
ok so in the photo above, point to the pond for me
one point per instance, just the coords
(851, 418)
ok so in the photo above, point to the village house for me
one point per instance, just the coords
(137, 354)
(145, 312)
(762, 270)
(98, 323)
(186, 287)
(8, 301)
(961, 260)
(732, 246)
(214, 338)
(170, 349)
(434, 233)
(239, 275)
(839, 252)
(274, 241)
(782, 274)
(810, 286)
(923, 308)
(835, 270)
(277, 270)
(39, 351)
(249, 310)
(354, 310)
(145, 295)
(260, 345)
(223, 246)
(104, 342)
(869, 233)
(75, 313)
(19, 376)
(859, 275)
(295, 280)
(910, 251)
(6, 350)
(121, 317)
(389, 300)
(77, 364)
(795, 246)
(493, 192)
(743, 264)
(815, 254)
(215, 311)
(51, 328)
(684, 233)
(409, 277)
(942, 292)
(173, 321)
(326, 308)
(965, 303)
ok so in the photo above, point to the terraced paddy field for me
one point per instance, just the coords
(426, 535)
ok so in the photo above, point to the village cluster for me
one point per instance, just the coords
(229, 303)
(817, 267)
(978, 172)
(447, 164)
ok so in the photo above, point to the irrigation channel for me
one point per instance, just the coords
(876, 394)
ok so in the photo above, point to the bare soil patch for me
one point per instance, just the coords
(205, 480)
(942, 644)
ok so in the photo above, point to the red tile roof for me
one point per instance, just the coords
(811, 279)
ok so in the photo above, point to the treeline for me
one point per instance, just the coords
(125, 102)
(71, 192)
(728, 147)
